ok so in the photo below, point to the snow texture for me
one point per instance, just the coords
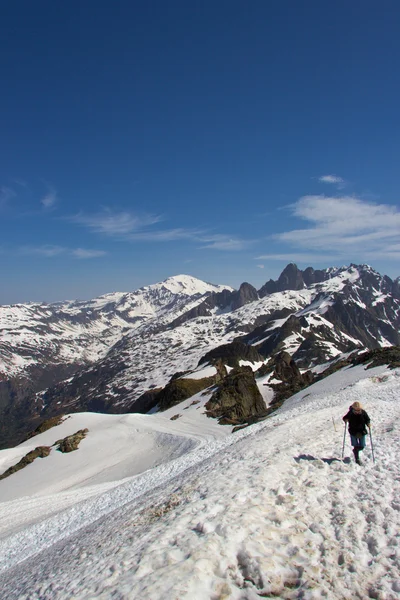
(270, 511)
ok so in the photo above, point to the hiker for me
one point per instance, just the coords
(358, 420)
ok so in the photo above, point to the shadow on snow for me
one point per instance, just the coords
(325, 460)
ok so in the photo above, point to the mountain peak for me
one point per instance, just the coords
(291, 278)
(188, 285)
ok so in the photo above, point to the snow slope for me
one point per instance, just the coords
(270, 511)
(116, 448)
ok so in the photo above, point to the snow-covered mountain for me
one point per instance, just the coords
(42, 344)
(150, 507)
(118, 350)
(66, 333)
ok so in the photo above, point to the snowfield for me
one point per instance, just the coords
(269, 511)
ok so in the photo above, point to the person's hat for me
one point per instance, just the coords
(356, 405)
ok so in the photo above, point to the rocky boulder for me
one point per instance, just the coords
(285, 367)
(71, 442)
(237, 398)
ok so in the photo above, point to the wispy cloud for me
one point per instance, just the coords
(85, 253)
(50, 199)
(213, 241)
(20, 182)
(333, 179)
(131, 227)
(345, 226)
(260, 266)
(297, 257)
(50, 251)
(165, 235)
(223, 242)
(115, 223)
(6, 194)
(46, 250)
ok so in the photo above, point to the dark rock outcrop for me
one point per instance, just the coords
(19, 406)
(230, 354)
(220, 300)
(312, 276)
(237, 398)
(396, 288)
(372, 358)
(39, 452)
(286, 370)
(46, 425)
(145, 402)
(291, 278)
(285, 367)
(275, 341)
(178, 390)
(71, 442)
(270, 287)
(380, 356)
(246, 293)
(363, 324)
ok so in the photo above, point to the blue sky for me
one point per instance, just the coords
(220, 138)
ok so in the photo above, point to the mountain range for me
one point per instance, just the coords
(122, 352)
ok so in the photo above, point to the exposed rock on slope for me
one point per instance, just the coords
(379, 356)
(223, 300)
(179, 390)
(237, 398)
(71, 442)
(39, 452)
(46, 425)
(292, 380)
(230, 354)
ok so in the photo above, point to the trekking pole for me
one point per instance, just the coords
(372, 446)
(344, 438)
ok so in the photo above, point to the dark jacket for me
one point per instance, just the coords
(357, 422)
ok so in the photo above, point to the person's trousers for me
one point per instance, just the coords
(358, 441)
